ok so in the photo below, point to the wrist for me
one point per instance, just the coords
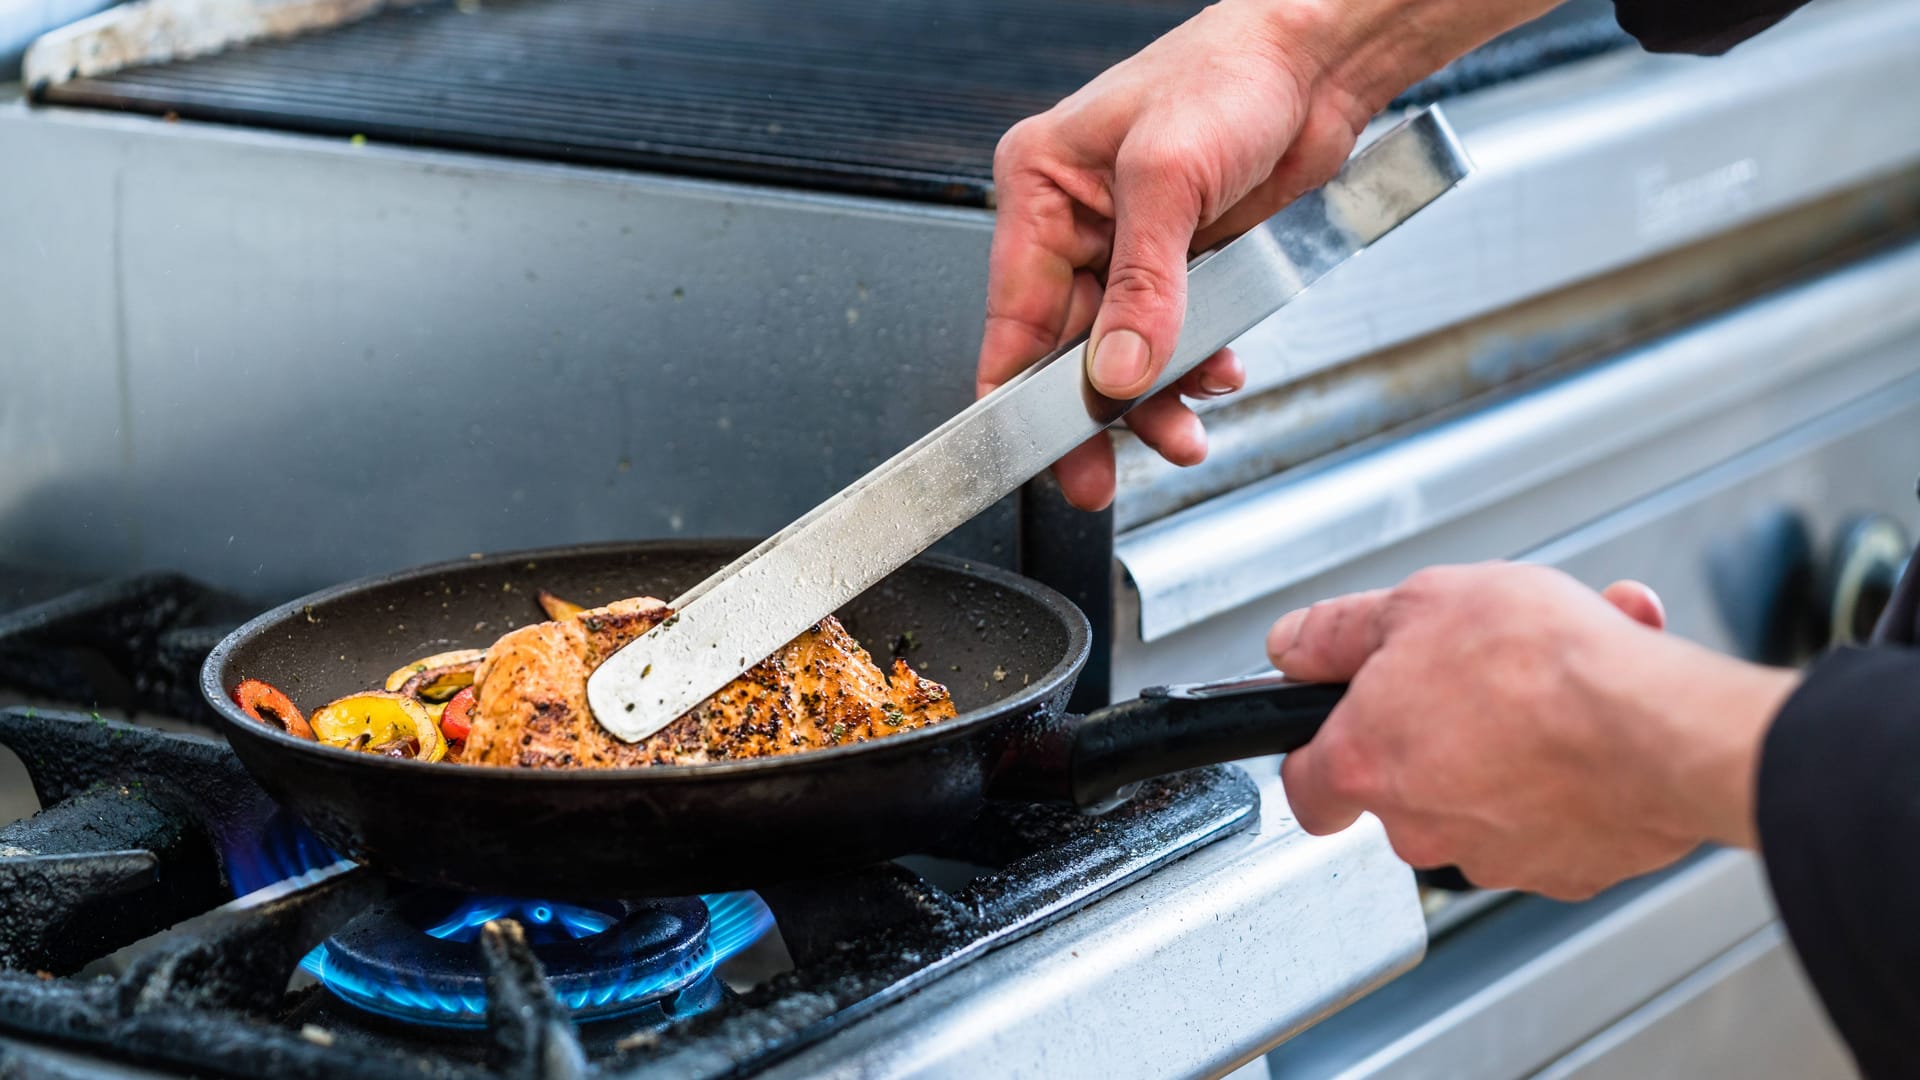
(1718, 721)
(1366, 52)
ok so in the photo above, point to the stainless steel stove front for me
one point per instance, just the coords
(1724, 465)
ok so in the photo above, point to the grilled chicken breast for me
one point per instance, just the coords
(821, 689)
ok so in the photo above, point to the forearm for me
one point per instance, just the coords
(1368, 51)
(1697, 741)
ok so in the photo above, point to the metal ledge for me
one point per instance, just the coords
(1194, 970)
(1815, 340)
(1253, 437)
(1515, 991)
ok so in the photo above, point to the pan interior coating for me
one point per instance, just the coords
(985, 641)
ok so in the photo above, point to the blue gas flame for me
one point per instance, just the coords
(736, 920)
(284, 849)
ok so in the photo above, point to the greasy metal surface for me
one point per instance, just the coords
(930, 943)
(1006, 648)
(1189, 971)
(903, 98)
(1254, 437)
(1824, 344)
(832, 554)
(645, 311)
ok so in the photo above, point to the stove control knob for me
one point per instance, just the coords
(1867, 561)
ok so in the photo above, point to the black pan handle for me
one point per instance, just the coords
(1170, 728)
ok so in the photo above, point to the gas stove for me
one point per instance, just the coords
(166, 916)
(1666, 332)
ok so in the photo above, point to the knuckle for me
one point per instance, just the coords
(1137, 284)
(1152, 153)
(1315, 624)
(1016, 142)
(1429, 583)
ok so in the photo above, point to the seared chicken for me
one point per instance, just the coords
(820, 689)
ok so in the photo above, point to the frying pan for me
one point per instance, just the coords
(1008, 649)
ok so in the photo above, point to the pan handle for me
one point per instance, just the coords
(1170, 728)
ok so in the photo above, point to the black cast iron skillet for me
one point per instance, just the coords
(1008, 648)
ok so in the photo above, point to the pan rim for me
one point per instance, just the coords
(1079, 639)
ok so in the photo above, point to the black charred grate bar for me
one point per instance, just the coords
(127, 842)
(139, 828)
(133, 643)
(906, 98)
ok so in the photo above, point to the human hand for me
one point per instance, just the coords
(1507, 720)
(1197, 138)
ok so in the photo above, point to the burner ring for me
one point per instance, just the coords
(418, 959)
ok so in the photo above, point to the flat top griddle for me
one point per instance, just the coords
(902, 98)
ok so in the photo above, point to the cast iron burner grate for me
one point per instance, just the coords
(120, 945)
(133, 644)
(906, 98)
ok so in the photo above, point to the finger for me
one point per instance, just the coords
(1081, 308)
(1639, 602)
(1313, 797)
(1330, 640)
(1030, 277)
(1167, 424)
(1217, 376)
(1086, 473)
(1155, 210)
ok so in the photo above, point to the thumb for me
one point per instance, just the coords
(1155, 212)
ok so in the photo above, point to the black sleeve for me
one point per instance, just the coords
(1706, 27)
(1838, 807)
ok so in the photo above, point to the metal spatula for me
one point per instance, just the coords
(809, 569)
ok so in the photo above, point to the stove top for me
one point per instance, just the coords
(164, 914)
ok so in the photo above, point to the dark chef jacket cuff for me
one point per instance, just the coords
(1704, 27)
(1838, 809)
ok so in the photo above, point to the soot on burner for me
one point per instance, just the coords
(418, 958)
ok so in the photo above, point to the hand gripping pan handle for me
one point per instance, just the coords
(848, 543)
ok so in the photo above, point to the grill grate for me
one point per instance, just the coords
(880, 97)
